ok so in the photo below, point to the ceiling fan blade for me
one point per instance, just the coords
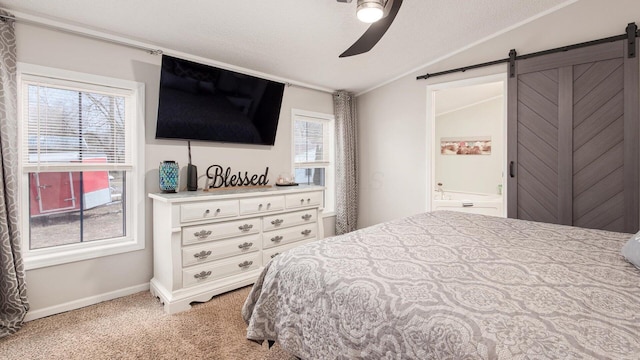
(374, 33)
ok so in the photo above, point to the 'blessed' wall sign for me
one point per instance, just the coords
(224, 178)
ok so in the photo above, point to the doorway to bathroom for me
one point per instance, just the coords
(467, 130)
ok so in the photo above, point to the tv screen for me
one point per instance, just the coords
(201, 102)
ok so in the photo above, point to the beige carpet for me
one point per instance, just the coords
(136, 327)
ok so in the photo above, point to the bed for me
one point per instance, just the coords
(448, 285)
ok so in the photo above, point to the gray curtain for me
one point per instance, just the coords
(344, 107)
(13, 294)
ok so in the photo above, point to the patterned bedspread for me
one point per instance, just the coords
(446, 285)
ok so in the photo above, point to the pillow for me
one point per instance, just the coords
(241, 103)
(179, 83)
(194, 71)
(631, 250)
(227, 83)
(206, 87)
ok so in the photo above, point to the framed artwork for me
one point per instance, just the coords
(479, 145)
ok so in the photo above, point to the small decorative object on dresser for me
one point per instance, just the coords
(168, 171)
(286, 180)
(192, 172)
(207, 243)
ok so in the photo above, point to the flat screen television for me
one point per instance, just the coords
(201, 102)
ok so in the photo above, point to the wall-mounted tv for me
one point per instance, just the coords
(201, 102)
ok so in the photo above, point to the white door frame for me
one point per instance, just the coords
(431, 129)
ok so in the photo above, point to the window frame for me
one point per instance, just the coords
(330, 168)
(134, 207)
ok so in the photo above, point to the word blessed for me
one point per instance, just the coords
(224, 178)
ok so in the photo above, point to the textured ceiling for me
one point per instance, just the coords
(298, 40)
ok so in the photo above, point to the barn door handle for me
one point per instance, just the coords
(511, 170)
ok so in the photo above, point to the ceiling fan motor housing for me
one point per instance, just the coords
(370, 10)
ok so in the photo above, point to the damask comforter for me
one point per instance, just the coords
(446, 285)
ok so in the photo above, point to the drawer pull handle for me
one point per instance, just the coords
(277, 238)
(259, 206)
(268, 205)
(203, 234)
(306, 232)
(274, 255)
(308, 200)
(245, 227)
(277, 222)
(306, 217)
(245, 264)
(245, 245)
(301, 201)
(202, 255)
(202, 275)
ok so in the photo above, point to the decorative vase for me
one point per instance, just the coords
(169, 176)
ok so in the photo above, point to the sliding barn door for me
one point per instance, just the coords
(573, 139)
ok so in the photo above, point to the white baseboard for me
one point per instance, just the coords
(80, 303)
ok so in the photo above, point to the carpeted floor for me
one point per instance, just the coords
(136, 327)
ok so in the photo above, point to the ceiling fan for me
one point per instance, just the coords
(378, 12)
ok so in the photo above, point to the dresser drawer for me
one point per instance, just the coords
(215, 250)
(289, 235)
(289, 219)
(270, 253)
(220, 269)
(208, 210)
(200, 233)
(261, 204)
(304, 199)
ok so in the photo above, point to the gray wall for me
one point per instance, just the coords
(73, 283)
(392, 129)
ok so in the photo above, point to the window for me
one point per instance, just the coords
(314, 152)
(81, 158)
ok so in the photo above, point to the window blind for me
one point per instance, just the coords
(71, 128)
(311, 143)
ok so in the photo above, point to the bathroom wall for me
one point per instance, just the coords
(471, 173)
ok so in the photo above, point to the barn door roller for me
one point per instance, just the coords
(632, 31)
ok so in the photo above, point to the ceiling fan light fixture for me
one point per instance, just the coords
(370, 11)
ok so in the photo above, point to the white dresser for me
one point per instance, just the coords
(207, 243)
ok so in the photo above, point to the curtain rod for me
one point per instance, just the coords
(92, 36)
(631, 33)
(25, 18)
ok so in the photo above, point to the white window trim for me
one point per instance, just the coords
(134, 240)
(331, 176)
